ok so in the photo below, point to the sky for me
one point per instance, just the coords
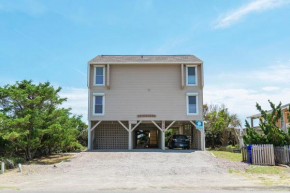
(245, 45)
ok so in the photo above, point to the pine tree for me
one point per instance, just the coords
(33, 122)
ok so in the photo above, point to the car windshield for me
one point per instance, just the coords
(180, 137)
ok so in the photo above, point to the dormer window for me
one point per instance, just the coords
(99, 74)
(191, 75)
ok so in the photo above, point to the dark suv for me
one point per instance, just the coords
(180, 141)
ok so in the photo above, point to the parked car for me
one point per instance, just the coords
(180, 141)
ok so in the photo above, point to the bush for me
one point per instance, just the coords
(272, 134)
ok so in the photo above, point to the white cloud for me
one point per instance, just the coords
(243, 101)
(270, 88)
(77, 100)
(254, 6)
(251, 86)
(276, 73)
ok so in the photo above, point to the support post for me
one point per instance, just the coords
(19, 167)
(89, 135)
(252, 122)
(202, 139)
(2, 167)
(130, 136)
(163, 140)
(180, 130)
(163, 135)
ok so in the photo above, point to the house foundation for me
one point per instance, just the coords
(140, 134)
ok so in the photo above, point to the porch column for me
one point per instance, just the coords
(130, 136)
(89, 135)
(180, 130)
(163, 135)
(202, 139)
(252, 122)
(162, 140)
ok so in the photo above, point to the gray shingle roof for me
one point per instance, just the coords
(145, 59)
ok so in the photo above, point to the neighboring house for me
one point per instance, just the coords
(134, 99)
(283, 123)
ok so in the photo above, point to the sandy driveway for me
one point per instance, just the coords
(137, 170)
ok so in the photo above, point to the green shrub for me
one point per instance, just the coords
(272, 134)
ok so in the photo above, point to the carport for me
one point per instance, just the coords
(142, 134)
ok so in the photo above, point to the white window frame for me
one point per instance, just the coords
(187, 105)
(196, 75)
(94, 104)
(104, 74)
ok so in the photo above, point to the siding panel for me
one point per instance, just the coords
(146, 89)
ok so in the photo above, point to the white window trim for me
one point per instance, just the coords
(187, 106)
(196, 75)
(104, 74)
(94, 104)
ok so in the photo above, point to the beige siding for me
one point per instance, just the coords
(146, 89)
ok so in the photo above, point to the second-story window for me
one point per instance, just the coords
(99, 104)
(191, 75)
(99, 75)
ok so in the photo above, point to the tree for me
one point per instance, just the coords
(272, 134)
(33, 121)
(219, 121)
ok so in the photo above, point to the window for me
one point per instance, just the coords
(191, 75)
(282, 122)
(99, 104)
(192, 104)
(99, 75)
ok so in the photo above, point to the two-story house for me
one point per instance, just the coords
(131, 96)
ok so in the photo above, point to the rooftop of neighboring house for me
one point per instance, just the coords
(259, 114)
(111, 59)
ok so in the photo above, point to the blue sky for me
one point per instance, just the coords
(244, 44)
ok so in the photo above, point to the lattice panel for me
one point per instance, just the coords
(110, 136)
(196, 139)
